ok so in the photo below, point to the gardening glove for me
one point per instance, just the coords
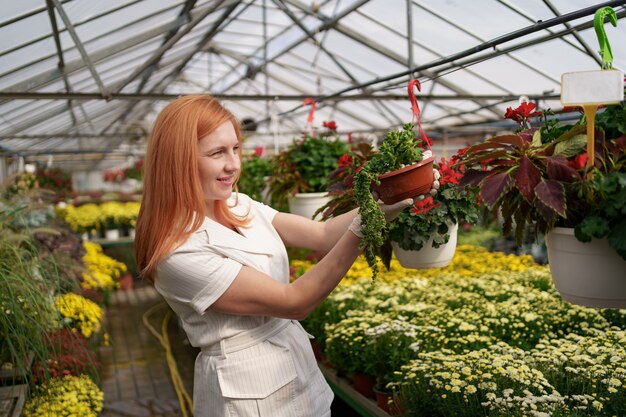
(434, 188)
(355, 226)
(391, 211)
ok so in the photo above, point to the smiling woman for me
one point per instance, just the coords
(219, 164)
(219, 260)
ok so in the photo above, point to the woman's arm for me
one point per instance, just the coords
(300, 232)
(255, 293)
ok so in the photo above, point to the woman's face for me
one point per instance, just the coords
(218, 162)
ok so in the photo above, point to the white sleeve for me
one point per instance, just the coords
(197, 278)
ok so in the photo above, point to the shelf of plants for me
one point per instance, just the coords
(54, 289)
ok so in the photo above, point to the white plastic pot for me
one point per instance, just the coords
(306, 204)
(112, 234)
(590, 274)
(428, 257)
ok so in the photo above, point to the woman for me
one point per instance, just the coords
(219, 260)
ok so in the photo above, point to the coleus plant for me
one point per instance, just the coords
(537, 177)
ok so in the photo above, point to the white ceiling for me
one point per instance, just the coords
(263, 57)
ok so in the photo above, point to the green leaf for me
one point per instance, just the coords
(572, 146)
(537, 138)
(617, 238)
(592, 227)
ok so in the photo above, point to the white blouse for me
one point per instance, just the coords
(277, 376)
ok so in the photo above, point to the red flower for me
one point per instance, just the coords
(424, 206)
(522, 113)
(579, 161)
(345, 160)
(331, 125)
(258, 151)
(449, 174)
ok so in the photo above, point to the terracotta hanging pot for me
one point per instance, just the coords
(407, 182)
(591, 274)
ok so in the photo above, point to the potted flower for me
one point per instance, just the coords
(255, 174)
(401, 154)
(538, 177)
(299, 178)
(424, 235)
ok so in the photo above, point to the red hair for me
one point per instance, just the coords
(173, 204)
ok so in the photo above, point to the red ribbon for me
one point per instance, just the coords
(312, 102)
(416, 109)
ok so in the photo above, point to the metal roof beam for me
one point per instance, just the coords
(585, 47)
(81, 48)
(176, 71)
(478, 38)
(76, 24)
(46, 77)
(27, 14)
(61, 65)
(185, 12)
(173, 36)
(379, 48)
(262, 97)
(327, 24)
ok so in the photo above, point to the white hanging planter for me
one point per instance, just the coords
(112, 234)
(590, 274)
(428, 257)
(306, 204)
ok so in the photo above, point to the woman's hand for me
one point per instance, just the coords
(391, 211)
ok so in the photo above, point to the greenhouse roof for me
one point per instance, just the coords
(81, 81)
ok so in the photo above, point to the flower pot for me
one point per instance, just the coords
(590, 274)
(112, 234)
(306, 204)
(364, 384)
(406, 182)
(428, 257)
(386, 402)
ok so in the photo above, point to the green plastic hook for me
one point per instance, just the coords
(605, 46)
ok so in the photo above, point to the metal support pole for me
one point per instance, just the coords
(81, 48)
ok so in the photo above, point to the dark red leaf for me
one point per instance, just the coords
(514, 140)
(548, 214)
(482, 156)
(485, 145)
(552, 194)
(473, 177)
(527, 135)
(494, 186)
(527, 178)
(558, 169)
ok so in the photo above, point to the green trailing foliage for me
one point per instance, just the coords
(399, 148)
